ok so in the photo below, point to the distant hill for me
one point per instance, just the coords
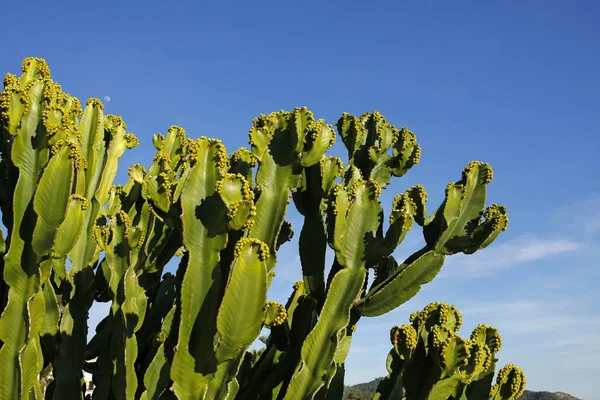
(365, 391)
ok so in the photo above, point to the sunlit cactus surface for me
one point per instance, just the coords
(72, 236)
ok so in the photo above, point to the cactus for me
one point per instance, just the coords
(430, 360)
(75, 237)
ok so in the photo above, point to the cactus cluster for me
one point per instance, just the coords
(75, 237)
(429, 360)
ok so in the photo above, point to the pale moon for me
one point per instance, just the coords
(107, 99)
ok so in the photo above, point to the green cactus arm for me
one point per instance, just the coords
(487, 335)
(445, 388)
(273, 143)
(31, 359)
(51, 312)
(316, 183)
(510, 384)
(312, 246)
(156, 378)
(479, 387)
(237, 196)
(267, 373)
(496, 221)
(160, 182)
(239, 324)
(99, 340)
(401, 286)
(20, 114)
(451, 226)
(51, 199)
(334, 387)
(338, 203)
(480, 384)
(69, 230)
(363, 217)
(93, 148)
(113, 362)
(162, 304)
(242, 161)
(320, 345)
(283, 143)
(401, 221)
(318, 140)
(285, 235)
(369, 139)
(406, 152)
(334, 384)
(364, 220)
(383, 269)
(418, 195)
(132, 312)
(107, 136)
(204, 219)
(390, 387)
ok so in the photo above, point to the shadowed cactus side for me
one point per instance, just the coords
(430, 360)
(74, 237)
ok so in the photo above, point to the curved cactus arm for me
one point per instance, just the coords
(49, 330)
(404, 211)
(273, 141)
(320, 345)
(242, 161)
(69, 230)
(445, 388)
(496, 221)
(162, 173)
(283, 143)
(50, 203)
(334, 384)
(116, 363)
(480, 384)
(401, 286)
(390, 386)
(452, 227)
(51, 199)
(204, 219)
(156, 378)
(239, 324)
(363, 222)
(267, 373)
(510, 384)
(316, 182)
(21, 110)
(162, 304)
(106, 141)
(455, 227)
(131, 314)
(369, 140)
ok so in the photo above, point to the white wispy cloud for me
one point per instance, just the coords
(558, 322)
(521, 250)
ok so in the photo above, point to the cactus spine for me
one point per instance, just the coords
(74, 238)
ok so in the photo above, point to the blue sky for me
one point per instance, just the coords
(512, 83)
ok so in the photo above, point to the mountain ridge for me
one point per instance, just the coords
(365, 391)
